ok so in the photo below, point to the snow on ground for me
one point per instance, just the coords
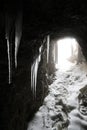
(60, 107)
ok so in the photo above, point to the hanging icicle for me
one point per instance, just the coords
(11, 25)
(8, 38)
(9, 61)
(17, 42)
(48, 40)
(18, 34)
(34, 72)
(54, 53)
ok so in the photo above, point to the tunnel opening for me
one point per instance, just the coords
(67, 53)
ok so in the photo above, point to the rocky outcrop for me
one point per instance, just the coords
(83, 100)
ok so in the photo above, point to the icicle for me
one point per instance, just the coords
(34, 69)
(34, 72)
(54, 54)
(17, 42)
(32, 76)
(48, 40)
(16, 50)
(40, 49)
(18, 34)
(9, 61)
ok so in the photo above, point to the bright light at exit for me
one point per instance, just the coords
(67, 52)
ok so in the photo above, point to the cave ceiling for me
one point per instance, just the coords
(48, 16)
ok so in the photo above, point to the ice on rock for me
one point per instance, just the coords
(34, 72)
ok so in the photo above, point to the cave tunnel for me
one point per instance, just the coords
(30, 32)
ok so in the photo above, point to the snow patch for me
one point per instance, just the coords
(61, 104)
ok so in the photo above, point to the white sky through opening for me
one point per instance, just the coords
(67, 52)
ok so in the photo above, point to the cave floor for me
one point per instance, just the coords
(63, 107)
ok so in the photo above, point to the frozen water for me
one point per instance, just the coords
(34, 72)
(48, 40)
(9, 61)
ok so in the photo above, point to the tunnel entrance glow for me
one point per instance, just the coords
(67, 52)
